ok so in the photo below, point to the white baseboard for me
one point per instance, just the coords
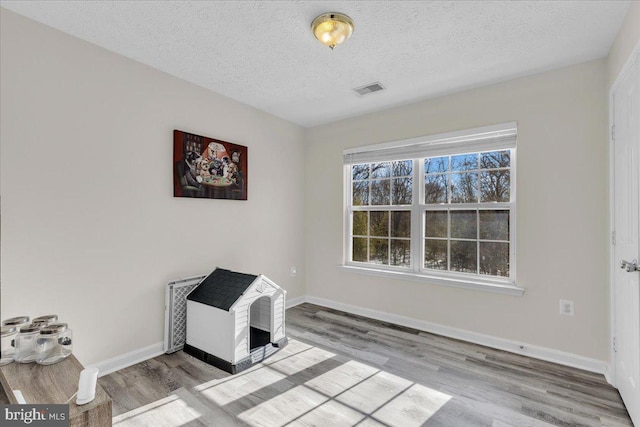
(537, 352)
(295, 301)
(608, 377)
(136, 356)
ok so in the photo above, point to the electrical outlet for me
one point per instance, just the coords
(293, 271)
(566, 307)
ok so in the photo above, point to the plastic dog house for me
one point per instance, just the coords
(235, 320)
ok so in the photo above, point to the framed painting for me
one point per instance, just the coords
(208, 168)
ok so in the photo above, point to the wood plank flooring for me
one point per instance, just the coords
(344, 370)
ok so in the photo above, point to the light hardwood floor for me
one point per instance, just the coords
(341, 369)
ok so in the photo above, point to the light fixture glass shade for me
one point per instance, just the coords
(332, 29)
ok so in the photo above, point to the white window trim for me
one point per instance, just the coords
(500, 288)
(449, 143)
(440, 144)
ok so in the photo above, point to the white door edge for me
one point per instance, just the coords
(628, 66)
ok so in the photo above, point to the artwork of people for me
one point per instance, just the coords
(209, 168)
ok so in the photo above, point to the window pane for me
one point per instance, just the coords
(360, 223)
(495, 159)
(463, 256)
(435, 254)
(464, 224)
(494, 225)
(380, 192)
(360, 172)
(380, 170)
(360, 193)
(464, 188)
(495, 186)
(436, 165)
(380, 223)
(402, 191)
(435, 189)
(435, 224)
(464, 162)
(359, 249)
(401, 224)
(403, 168)
(494, 259)
(379, 251)
(401, 252)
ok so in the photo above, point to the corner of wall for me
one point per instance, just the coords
(625, 43)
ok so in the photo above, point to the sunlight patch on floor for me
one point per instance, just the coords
(311, 386)
(293, 347)
(413, 406)
(301, 361)
(303, 385)
(341, 378)
(232, 387)
(374, 392)
(245, 385)
(170, 411)
(284, 407)
(330, 413)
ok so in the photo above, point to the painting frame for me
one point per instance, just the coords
(209, 168)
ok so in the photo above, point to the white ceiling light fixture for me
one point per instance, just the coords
(332, 28)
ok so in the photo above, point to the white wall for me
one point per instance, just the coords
(90, 228)
(562, 210)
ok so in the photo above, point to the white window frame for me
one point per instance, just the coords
(499, 137)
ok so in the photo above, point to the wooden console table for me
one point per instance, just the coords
(56, 384)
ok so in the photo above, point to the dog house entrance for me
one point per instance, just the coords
(260, 323)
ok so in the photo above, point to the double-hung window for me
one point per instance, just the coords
(439, 207)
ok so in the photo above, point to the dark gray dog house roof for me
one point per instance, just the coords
(221, 288)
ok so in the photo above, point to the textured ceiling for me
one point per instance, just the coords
(263, 53)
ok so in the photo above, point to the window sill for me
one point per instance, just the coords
(496, 287)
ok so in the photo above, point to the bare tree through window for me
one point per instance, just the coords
(381, 233)
(474, 240)
(465, 203)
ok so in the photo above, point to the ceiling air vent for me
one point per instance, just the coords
(370, 88)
